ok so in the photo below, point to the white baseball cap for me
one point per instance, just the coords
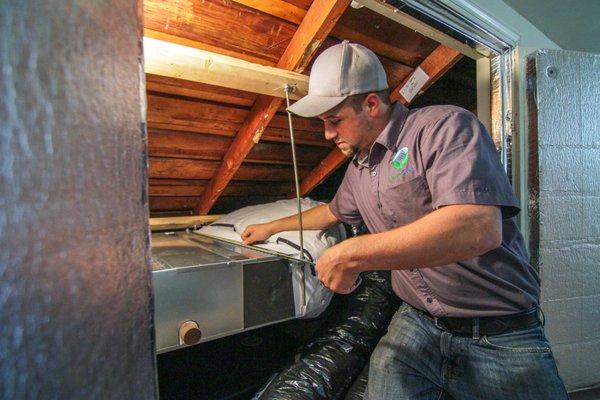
(340, 71)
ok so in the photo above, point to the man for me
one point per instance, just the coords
(439, 208)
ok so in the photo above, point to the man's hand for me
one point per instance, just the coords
(336, 270)
(256, 233)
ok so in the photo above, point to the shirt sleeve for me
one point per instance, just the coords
(462, 165)
(343, 205)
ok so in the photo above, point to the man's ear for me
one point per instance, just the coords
(372, 104)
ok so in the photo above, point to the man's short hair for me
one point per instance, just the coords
(356, 100)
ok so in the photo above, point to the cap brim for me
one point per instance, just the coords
(310, 105)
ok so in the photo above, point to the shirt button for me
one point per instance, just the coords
(412, 270)
(429, 300)
(374, 173)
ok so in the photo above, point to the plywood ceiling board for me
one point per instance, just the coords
(218, 24)
(175, 144)
(167, 112)
(197, 90)
(174, 168)
(159, 203)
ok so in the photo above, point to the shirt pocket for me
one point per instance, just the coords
(404, 201)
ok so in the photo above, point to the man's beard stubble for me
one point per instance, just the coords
(349, 151)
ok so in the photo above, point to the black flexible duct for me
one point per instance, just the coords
(326, 366)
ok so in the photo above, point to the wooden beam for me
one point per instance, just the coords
(174, 144)
(316, 25)
(325, 168)
(411, 22)
(151, 33)
(201, 91)
(181, 168)
(225, 26)
(277, 8)
(235, 188)
(176, 61)
(434, 66)
(185, 115)
(181, 222)
(431, 69)
(344, 30)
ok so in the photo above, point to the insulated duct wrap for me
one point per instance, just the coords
(501, 107)
(326, 366)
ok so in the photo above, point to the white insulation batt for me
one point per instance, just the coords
(233, 224)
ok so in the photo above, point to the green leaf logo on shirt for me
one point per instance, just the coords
(400, 159)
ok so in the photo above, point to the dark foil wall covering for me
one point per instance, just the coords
(564, 168)
(75, 282)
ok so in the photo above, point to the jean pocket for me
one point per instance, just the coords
(531, 340)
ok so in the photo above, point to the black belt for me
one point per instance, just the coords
(488, 326)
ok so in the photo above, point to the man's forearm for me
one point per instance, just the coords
(448, 235)
(317, 218)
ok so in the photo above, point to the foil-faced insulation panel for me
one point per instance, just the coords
(564, 166)
(75, 279)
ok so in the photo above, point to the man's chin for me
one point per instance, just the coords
(348, 151)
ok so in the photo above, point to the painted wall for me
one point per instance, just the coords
(573, 25)
(75, 283)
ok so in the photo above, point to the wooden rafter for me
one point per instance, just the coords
(393, 13)
(277, 8)
(316, 25)
(176, 61)
(434, 66)
(325, 168)
(294, 14)
(151, 33)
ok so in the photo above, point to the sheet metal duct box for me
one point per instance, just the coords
(206, 288)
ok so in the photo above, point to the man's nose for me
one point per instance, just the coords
(330, 133)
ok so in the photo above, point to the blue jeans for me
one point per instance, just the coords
(417, 360)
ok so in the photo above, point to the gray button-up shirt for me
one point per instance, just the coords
(425, 159)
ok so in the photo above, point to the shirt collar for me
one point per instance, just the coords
(388, 136)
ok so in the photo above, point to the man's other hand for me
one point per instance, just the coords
(256, 233)
(336, 270)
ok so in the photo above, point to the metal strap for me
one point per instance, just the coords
(288, 89)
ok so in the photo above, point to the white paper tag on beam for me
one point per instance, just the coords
(414, 84)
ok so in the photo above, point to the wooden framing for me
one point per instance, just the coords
(216, 120)
(294, 14)
(277, 8)
(435, 65)
(167, 223)
(196, 65)
(314, 29)
(325, 168)
(411, 22)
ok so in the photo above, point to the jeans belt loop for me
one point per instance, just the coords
(437, 324)
(476, 328)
